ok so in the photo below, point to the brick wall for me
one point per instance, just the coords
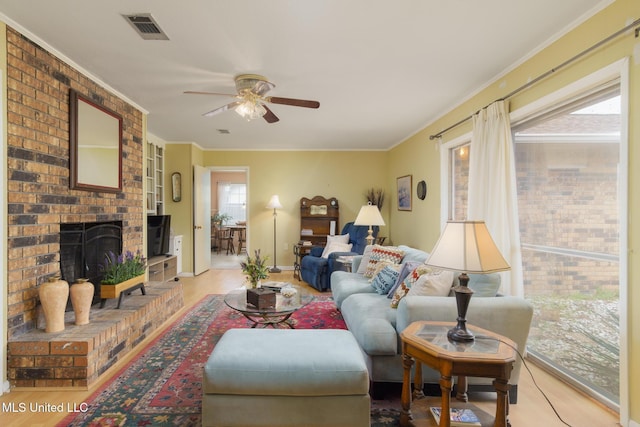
(558, 184)
(39, 197)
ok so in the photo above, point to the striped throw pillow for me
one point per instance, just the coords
(382, 253)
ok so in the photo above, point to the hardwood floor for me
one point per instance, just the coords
(531, 411)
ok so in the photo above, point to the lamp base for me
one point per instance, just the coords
(463, 297)
(369, 237)
(274, 269)
(460, 333)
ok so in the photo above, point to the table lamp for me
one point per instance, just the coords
(466, 246)
(274, 203)
(369, 215)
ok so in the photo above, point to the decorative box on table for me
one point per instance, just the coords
(261, 298)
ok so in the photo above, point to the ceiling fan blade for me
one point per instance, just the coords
(269, 116)
(222, 109)
(293, 102)
(195, 92)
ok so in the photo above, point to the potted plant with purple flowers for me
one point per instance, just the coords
(122, 273)
(123, 267)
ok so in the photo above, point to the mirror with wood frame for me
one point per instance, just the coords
(95, 149)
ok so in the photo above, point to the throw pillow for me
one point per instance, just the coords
(364, 262)
(380, 265)
(379, 253)
(343, 238)
(385, 279)
(404, 287)
(336, 247)
(437, 283)
(407, 267)
(483, 285)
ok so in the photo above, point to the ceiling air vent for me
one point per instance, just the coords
(146, 26)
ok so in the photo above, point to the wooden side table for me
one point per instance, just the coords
(490, 355)
(300, 251)
(346, 261)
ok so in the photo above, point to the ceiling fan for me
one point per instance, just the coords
(252, 99)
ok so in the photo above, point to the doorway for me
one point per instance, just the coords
(229, 217)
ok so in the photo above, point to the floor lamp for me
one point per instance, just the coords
(274, 204)
(466, 246)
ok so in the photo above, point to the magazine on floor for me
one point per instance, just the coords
(459, 417)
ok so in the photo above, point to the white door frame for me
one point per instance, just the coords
(244, 169)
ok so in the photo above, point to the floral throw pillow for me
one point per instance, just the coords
(408, 282)
(382, 253)
(385, 279)
(407, 267)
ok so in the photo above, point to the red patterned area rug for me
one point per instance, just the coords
(162, 385)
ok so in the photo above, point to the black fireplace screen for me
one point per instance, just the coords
(84, 247)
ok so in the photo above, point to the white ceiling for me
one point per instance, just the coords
(381, 70)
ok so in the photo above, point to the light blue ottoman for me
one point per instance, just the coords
(284, 377)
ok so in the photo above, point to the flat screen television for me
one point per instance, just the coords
(158, 232)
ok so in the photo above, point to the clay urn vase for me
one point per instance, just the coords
(53, 296)
(81, 299)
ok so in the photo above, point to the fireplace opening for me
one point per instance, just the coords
(83, 250)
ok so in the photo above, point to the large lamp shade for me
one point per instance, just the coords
(468, 247)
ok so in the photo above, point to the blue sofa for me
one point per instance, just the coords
(316, 271)
(376, 325)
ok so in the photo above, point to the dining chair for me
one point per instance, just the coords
(223, 235)
(229, 241)
(242, 240)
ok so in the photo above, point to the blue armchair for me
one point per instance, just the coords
(316, 271)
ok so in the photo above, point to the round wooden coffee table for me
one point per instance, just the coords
(278, 315)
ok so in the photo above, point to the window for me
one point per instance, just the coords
(459, 181)
(567, 164)
(232, 200)
(568, 176)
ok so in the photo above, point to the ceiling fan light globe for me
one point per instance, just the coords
(242, 109)
(250, 110)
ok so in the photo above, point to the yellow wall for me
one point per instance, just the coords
(608, 21)
(291, 175)
(181, 158)
(420, 227)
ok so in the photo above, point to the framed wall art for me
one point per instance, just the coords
(176, 187)
(404, 193)
(421, 190)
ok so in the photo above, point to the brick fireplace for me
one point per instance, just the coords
(84, 247)
(40, 203)
(39, 197)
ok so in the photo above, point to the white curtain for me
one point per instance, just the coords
(492, 188)
(232, 200)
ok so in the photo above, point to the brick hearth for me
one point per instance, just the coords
(77, 356)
